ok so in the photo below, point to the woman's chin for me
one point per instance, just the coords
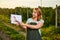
(34, 17)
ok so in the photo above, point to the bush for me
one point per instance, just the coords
(50, 33)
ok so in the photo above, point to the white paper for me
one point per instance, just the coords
(18, 18)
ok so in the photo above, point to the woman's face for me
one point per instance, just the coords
(34, 14)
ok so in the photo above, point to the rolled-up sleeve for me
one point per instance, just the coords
(41, 20)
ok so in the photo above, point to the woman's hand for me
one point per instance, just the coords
(16, 21)
(23, 25)
(20, 23)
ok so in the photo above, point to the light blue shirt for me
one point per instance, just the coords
(31, 20)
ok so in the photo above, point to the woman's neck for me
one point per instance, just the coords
(34, 19)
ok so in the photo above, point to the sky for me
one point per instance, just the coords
(28, 3)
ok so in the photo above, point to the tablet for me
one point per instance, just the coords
(17, 17)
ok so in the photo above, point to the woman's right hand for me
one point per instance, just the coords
(20, 23)
(15, 20)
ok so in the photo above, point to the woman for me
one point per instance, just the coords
(33, 25)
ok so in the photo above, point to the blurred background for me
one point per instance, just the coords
(50, 11)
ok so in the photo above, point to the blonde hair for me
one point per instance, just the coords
(39, 13)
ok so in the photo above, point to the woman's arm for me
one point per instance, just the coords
(39, 25)
(23, 25)
(20, 23)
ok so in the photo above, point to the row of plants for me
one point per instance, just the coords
(12, 33)
(50, 33)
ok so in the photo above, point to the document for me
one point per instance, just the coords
(17, 17)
